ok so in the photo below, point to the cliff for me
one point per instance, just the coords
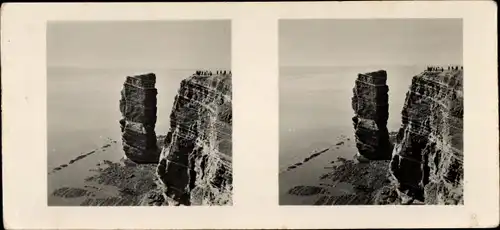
(195, 165)
(371, 107)
(427, 161)
(138, 109)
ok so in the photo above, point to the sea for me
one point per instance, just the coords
(83, 116)
(315, 113)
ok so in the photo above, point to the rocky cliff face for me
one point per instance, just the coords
(371, 107)
(427, 161)
(195, 165)
(138, 109)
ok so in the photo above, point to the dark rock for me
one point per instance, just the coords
(131, 190)
(306, 190)
(428, 155)
(67, 192)
(196, 162)
(138, 108)
(370, 104)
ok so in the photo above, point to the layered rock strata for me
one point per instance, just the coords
(138, 109)
(371, 107)
(196, 163)
(427, 162)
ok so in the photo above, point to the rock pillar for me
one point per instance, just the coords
(138, 109)
(371, 108)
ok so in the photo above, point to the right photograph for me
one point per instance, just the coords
(371, 112)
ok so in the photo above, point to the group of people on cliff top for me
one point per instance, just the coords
(209, 73)
(438, 68)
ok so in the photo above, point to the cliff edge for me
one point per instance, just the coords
(195, 166)
(427, 161)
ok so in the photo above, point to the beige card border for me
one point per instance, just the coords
(255, 106)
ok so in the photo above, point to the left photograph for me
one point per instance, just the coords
(139, 113)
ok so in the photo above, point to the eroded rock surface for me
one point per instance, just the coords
(138, 108)
(196, 161)
(427, 160)
(371, 107)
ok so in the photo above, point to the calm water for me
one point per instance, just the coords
(315, 113)
(83, 114)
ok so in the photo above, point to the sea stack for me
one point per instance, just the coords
(138, 109)
(427, 162)
(371, 108)
(196, 163)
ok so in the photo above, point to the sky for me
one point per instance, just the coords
(139, 44)
(364, 42)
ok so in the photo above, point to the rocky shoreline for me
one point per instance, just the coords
(120, 183)
(364, 179)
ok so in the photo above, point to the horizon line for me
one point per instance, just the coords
(135, 67)
(377, 65)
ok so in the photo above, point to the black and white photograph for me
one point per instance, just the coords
(371, 111)
(126, 116)
(139, 113)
